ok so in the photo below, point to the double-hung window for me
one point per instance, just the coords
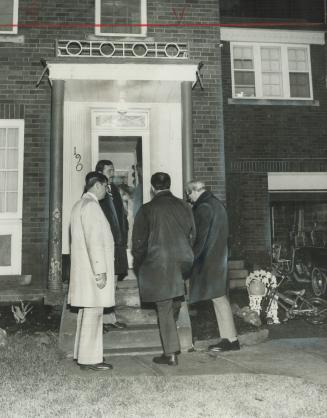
(8, 16)
(120, 17)
(271, 71)
(11, 190)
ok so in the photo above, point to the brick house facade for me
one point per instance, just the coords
(245, 141)
(40, 24)
(265, 135)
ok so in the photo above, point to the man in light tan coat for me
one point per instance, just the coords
(92, 282)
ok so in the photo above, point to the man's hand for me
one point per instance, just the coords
(101, 280)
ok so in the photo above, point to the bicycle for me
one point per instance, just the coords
(295, 304)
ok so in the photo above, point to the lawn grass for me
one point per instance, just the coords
(36, 382)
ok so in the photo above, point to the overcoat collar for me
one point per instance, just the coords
(206, 195)
(162, 193)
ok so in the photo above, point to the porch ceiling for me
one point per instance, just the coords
(129, 91)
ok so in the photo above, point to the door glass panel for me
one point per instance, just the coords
(12, 138)
(2, 180)
(2, 158)
(2, 202)
(12, 158)
(12, 181)
(11, 202)
(5, 250)
(2, 137)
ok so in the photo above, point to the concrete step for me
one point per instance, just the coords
(127, 340)
(134, 316)
(132, 351)
(235, 264)
(142, 336)
(128, 297)
(238, 274)
(127, 284)
(237, 283)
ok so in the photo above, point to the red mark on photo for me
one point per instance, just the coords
(179, 16)
(31, 10)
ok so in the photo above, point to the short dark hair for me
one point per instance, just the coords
(94, 177)
(161, 181)
(101, 164)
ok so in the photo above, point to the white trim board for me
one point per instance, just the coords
(92, 71)
(285, 182)
(272, 35)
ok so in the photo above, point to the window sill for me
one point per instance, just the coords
(267, 102)
(12, 38)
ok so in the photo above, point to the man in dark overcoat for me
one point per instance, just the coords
(162, 238)
(209, 277)
(113, 208)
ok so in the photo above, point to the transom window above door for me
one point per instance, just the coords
(271, 71)
(8, 16)
(120, 17)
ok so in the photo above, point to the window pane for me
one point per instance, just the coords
(11, 202)
(272, 84)
(12, 138)
(2, 180)
(6, 15)
(2, 202)
(297, 59)
(244, 92)
(243, 57)
(125, 12)
(12, 158)
(244, 78)
(2, 137)
(5, 250)
(2, 158)
(271, 67)
(299, 85)
(12, 181)
(270, 59)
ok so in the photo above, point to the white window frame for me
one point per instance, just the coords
(258, 72)
(14, 229)
(18, 124)
(14, 22)
(11, 222)
(143, 29)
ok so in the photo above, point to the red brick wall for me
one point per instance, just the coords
(292, 138)
(20, 69)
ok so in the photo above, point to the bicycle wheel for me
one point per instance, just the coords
(318, 282)
(320, 315)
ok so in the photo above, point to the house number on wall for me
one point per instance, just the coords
(79, 165)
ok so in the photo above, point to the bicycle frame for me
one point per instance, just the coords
(290, 303)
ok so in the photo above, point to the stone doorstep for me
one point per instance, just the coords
(131, 315)
(237, 283)
(235, 264)
(238, 274)
(128, 297)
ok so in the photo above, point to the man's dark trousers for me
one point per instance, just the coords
(167, 314)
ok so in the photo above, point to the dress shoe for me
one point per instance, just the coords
(171, 359)
(121, 276)
(100, 367)
(224, 345)
(116, 325)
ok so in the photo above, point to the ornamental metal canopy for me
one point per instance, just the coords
(110, 49)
